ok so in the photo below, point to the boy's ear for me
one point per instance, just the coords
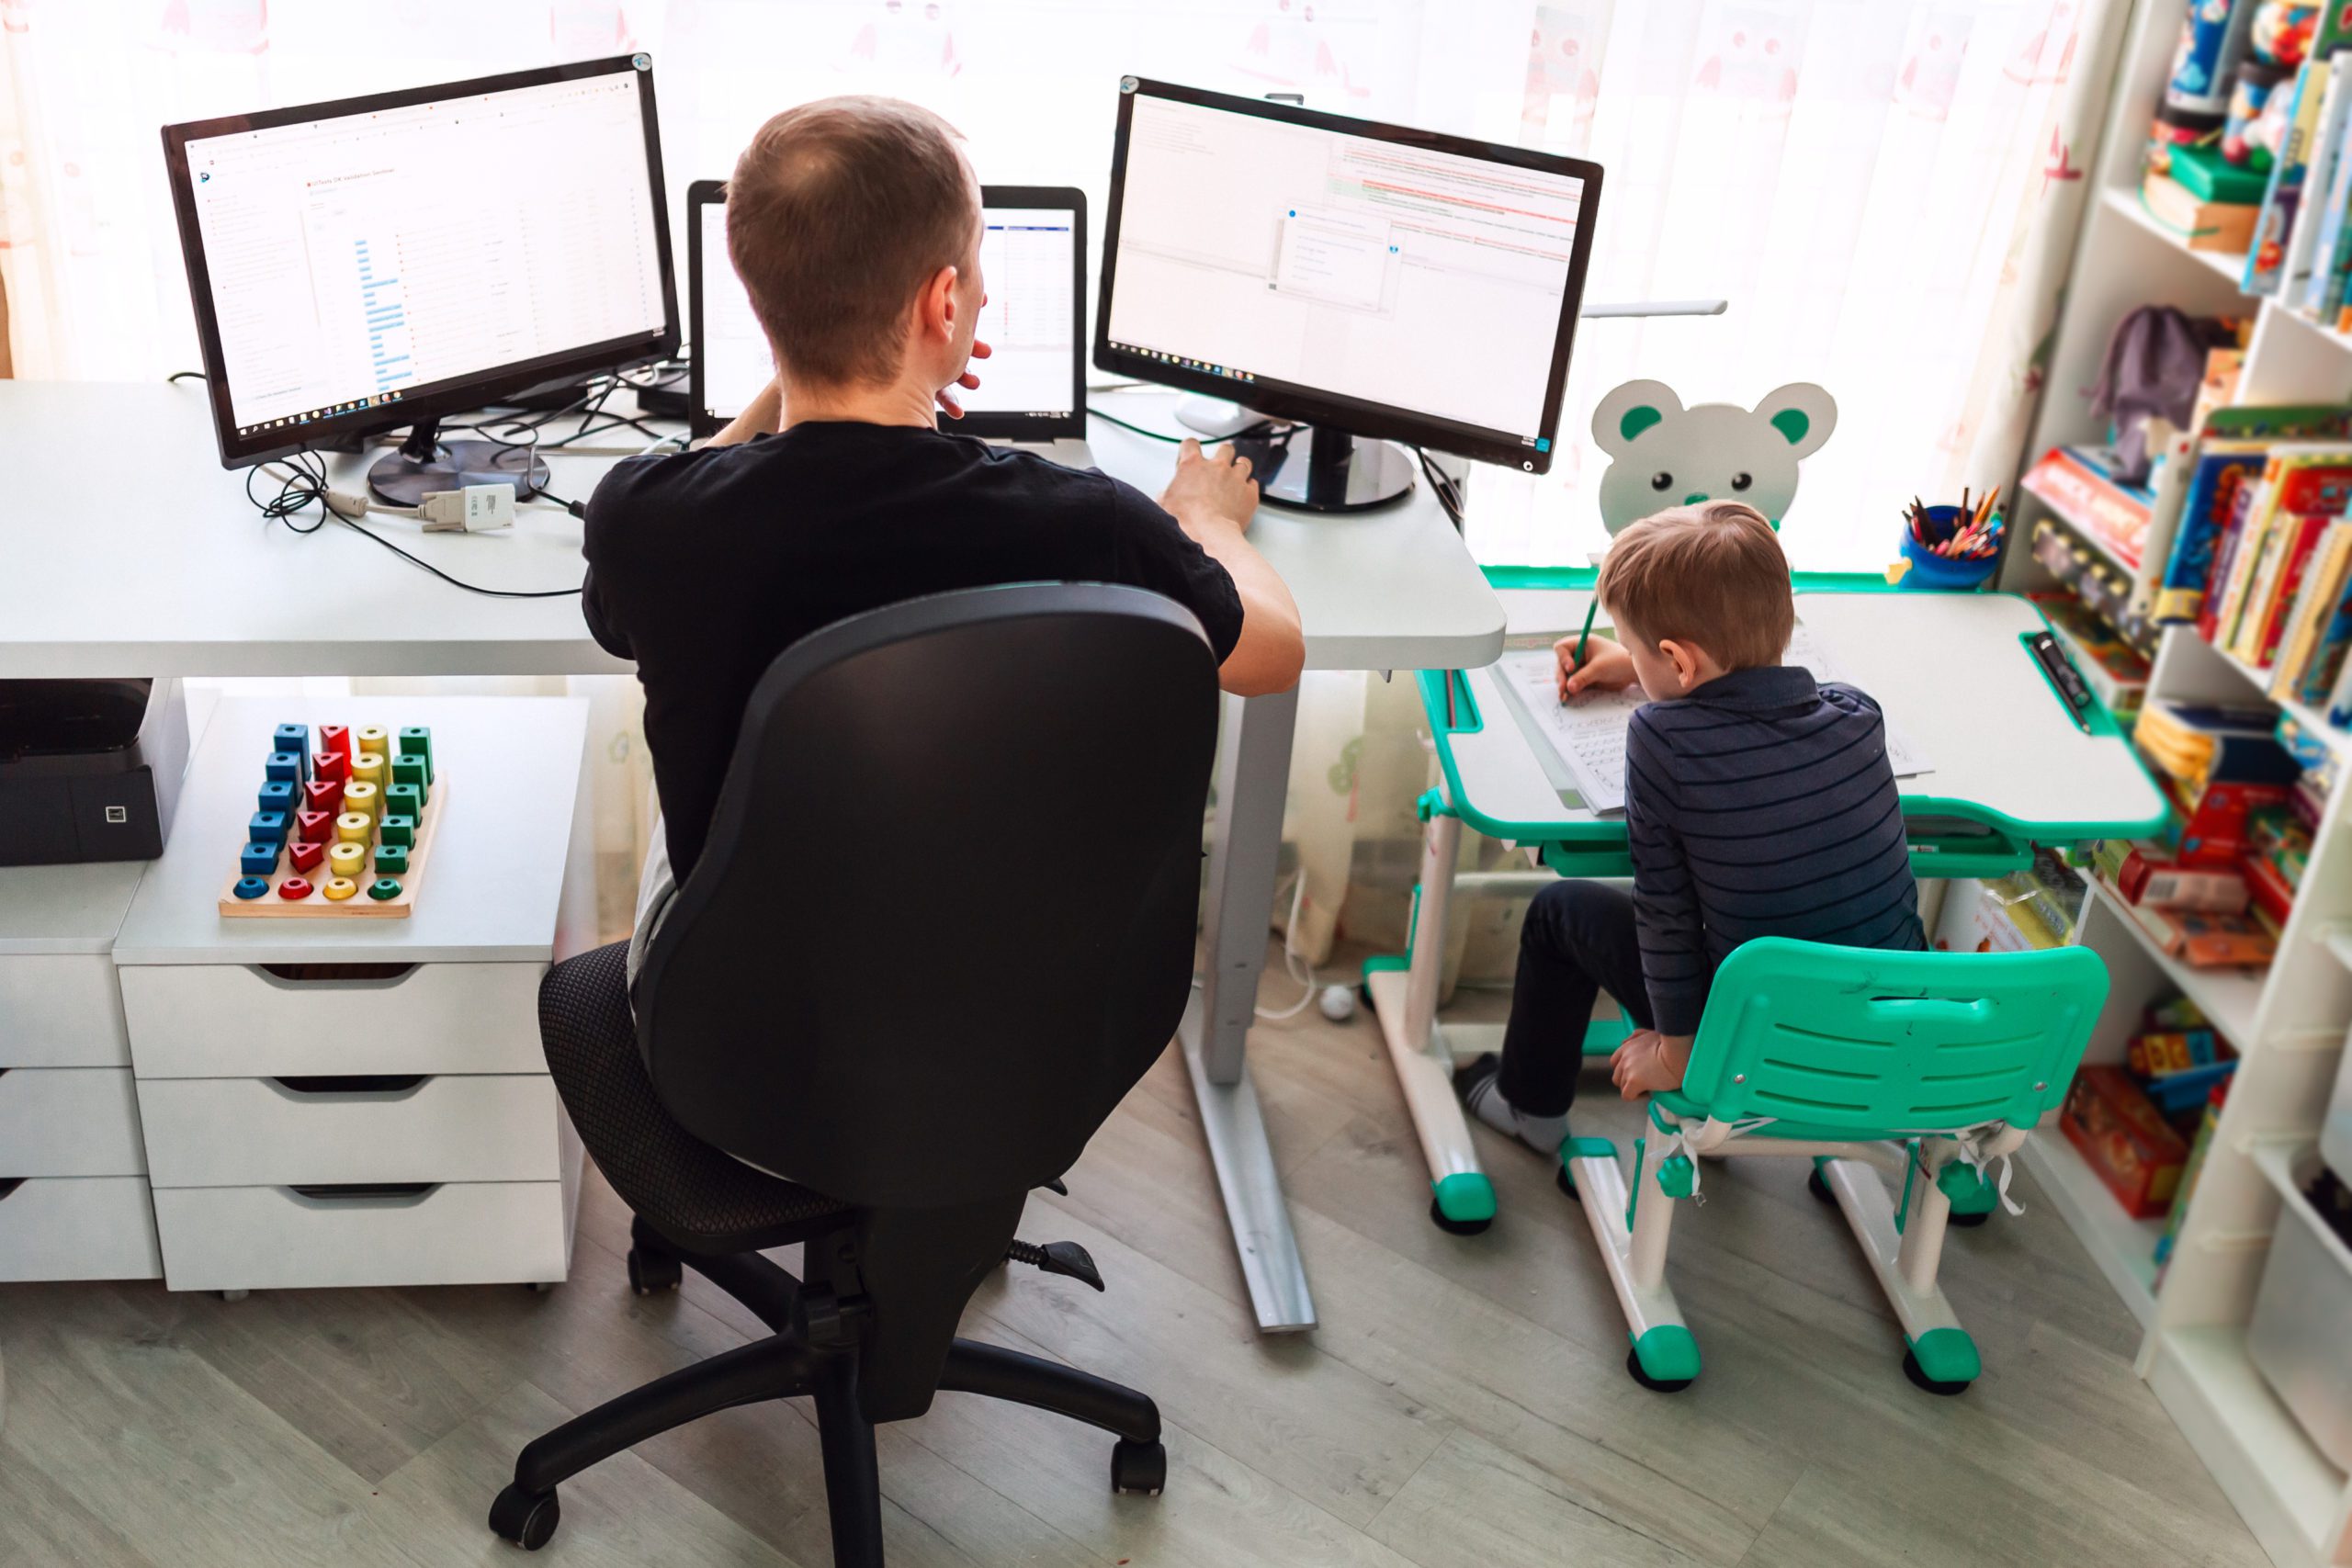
(1803, 413)
(1629, 411)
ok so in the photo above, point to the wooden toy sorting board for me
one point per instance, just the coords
(311, 803)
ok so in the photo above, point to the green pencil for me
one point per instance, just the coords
(1590, 607)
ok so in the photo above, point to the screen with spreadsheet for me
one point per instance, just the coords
(1030, 260)
(374, 255)
(1426, 278)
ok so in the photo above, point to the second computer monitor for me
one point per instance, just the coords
(1033, 257)
(1369, 279)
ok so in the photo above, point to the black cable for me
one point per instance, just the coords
(1445, 487)
(453, 582)
(308, 482)
(178, 376)
(1264, 427)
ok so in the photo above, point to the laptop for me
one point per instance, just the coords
(1033, 388)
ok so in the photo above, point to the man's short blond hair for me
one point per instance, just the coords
(838, 212)
(1712, 574)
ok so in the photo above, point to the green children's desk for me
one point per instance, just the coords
(2008, 769)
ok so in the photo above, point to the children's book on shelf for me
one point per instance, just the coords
(2274, 231)
(2079, 484)
(2319, 165)
(2315, 609)
(2234, 451)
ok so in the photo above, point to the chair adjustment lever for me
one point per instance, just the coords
(1058, 1187)
(1058, 1258)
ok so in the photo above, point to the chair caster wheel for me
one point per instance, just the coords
(1567, 1183)
(1919, 1378)
(1457, 1227)
(1138, 1469)
(234, 1295)
(525, 1520)
(649, 1274)
(1655, 1385)
(1818, 1188)
(1970, 1221)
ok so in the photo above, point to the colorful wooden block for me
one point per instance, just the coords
(294, 888)
(391, 860)
(335, 738)
(383, 887)
(372, 738)
(363, 797)
(258, 858)
(318, 827)
(277, 795)
(368, 765)
(416, 740)
(400, 830)
(340, 888)
(347, 859)
(267, 828)
(409, 769)
(306, 854)
(335, 765)
(352, 827)
(294, 737)
(251, 887)
(404, 800)
(285, 765)
(323, 795)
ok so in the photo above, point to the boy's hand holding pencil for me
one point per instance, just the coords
(1605, 665)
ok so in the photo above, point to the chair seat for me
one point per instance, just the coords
(696, 1195)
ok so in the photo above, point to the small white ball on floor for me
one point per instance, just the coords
(1338, 1003)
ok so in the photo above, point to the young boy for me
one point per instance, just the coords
(1758, 803)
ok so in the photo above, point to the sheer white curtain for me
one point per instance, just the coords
(1857, 176)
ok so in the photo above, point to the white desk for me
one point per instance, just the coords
(130, 551)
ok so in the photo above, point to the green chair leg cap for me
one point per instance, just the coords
(1678, 1177)
(1667, 1354)
(1947, 1356)
(1967, 1187)
(1573, 1147)
(1465, 1197)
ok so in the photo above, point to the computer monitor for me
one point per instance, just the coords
(1032, 260)
(384, 261)
(1371, 281)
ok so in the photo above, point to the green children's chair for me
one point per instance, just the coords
(1928, 1067)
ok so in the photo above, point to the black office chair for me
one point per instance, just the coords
(942, 924)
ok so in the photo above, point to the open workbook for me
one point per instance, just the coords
(1588, 732)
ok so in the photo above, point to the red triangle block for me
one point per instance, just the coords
(307, 853)
(313, 827)
(335, 738)
(323, 795)
(335, 765)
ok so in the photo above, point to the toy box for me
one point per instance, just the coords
(2138, 1155)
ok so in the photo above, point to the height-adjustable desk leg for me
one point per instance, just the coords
(1252, 777)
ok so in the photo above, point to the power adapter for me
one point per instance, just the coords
(477, 509)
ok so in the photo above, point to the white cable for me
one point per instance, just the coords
(1292, 963)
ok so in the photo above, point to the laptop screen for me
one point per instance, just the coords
(1032, 387)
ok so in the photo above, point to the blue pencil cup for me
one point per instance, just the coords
(1935, 573)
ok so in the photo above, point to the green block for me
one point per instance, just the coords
(397, 830)
(383, 887)
(409, 770)
(1668, 1353)
(401, 800)
(1970, 1191)
(1947, 1355)
(391, 860)
(2204, 173)
(1464, 1196)
(416, 740)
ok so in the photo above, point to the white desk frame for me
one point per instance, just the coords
(1998, 741)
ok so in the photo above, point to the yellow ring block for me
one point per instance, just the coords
(347, 859)
(340, 888)
(368, 765)
(363, 797)
(352, 827)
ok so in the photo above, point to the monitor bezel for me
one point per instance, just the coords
(1294, 402)
(454, 396)
(988, 425)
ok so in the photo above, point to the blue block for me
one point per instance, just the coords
(289, 767)
(267, 828)
(251, 886)
(276, 795)
(294, 737)
(258, 859)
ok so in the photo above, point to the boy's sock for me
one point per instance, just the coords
(1476, 1082)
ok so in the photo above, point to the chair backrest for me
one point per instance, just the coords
(944, 916)
(1874, 1042)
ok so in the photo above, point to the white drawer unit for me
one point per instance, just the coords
(61, 1009)
(69, 1121)
(258, 1132)
(251, 1239)
(77, 1227)
(333, 1019)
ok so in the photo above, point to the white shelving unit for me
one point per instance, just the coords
(2288, 1022)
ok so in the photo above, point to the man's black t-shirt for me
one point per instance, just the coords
(704, 566)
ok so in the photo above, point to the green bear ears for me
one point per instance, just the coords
(1793, 425)
(1637, 420)
(1791, 422)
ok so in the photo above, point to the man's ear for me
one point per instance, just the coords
(1630, 410)
(935, 304)
(1802, 412)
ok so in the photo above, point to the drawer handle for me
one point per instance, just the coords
(401, 1193)
(8, 1184)
(374, 1086)
(341, 976)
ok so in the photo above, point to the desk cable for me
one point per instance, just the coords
(303, 480)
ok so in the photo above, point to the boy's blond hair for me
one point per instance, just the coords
(1711, 574)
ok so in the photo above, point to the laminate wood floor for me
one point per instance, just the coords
(1464, 1404)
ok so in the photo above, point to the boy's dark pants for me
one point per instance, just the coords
(1579, 937)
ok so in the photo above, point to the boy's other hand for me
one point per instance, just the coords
(1212, 484)
(1607, 666)
(949, 404)
(1648, 1061)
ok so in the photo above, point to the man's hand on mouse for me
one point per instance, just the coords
(948, 403)
(1215, 484)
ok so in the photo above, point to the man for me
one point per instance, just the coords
(856, 225)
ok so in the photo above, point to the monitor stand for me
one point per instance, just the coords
(1323, 469)
(425, 463)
